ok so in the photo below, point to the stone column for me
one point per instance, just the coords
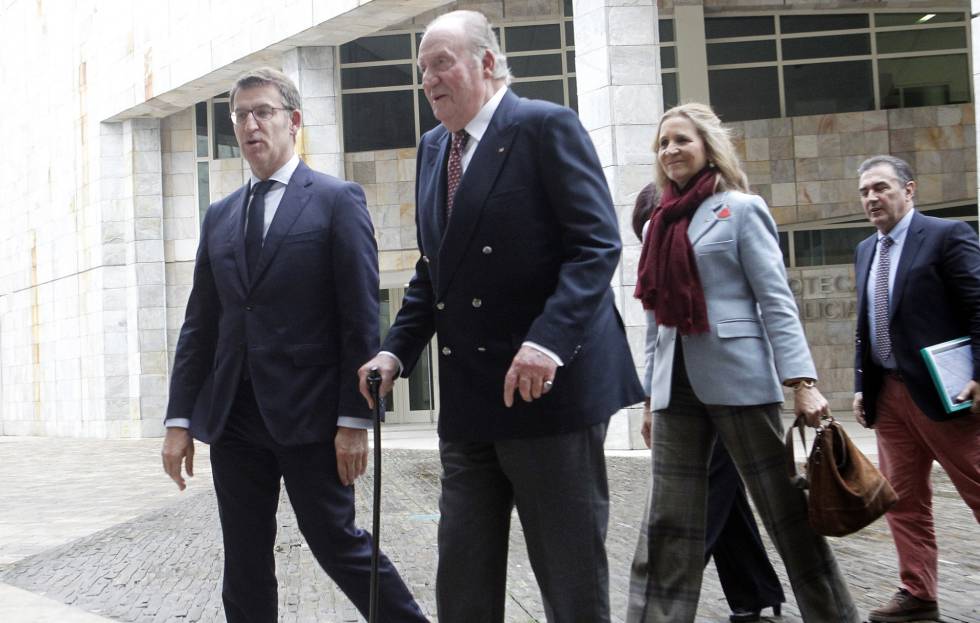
(620, 101)
(313, 69)
(140, 411)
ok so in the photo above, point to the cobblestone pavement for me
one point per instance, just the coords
(163, 563)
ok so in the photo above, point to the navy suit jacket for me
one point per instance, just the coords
(935, 298)
(307, 319)
(528, 254)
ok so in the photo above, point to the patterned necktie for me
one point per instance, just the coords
(256, 225)
(455, 168)
(883, 339)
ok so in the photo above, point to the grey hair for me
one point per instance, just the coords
(267, 75)
(479, 36)
(902, 169)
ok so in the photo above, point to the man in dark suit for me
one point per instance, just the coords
(519, 241)
(918, 284)
(283, 309)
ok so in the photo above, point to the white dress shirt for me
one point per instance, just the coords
(898, 234)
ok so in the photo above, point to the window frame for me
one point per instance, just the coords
(871, 31)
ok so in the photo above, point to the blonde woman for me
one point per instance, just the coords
(727, 339)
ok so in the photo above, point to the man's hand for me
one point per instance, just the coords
(647, 426)
(858, 407)
(352, 453)
(527, 374)
(810, 405)
(178, 447)
(971, 392)
(387, 366)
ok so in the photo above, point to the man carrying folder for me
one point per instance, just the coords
(918, 284)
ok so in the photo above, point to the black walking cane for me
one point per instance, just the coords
(374, 385)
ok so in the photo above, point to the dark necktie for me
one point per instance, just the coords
(883, 339)
(455, 168)
(256, 226)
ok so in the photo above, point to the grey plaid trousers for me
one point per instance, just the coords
(665, 578)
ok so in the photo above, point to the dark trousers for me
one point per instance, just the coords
(732, 539)
(558, 483)
(247, 465)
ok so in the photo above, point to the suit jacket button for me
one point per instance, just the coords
(248, 308)
(425, 258)
(487, 250)
(481, 349)
(440, 305)
(447, 351)
(477, 302)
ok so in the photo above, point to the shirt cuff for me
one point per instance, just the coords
(395, 357)
(550, 353)
(354, 422)
(177, 422)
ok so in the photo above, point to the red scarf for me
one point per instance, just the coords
(668, 280)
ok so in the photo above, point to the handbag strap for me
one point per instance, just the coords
(800, 480)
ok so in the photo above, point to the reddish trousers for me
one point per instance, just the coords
(908, 443)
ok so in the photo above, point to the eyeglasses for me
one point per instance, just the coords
(261, 114)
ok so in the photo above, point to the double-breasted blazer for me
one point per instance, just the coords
(302, 325)
(935, 298)
(756, 340)
(528, 254)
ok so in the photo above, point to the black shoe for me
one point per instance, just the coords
(744, 615)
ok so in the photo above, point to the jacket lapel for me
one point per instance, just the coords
(293, 201)
(705, 217)
(910, 249)
(475, 187)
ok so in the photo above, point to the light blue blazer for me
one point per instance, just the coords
(756, 340)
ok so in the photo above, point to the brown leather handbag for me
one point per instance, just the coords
(847, 492)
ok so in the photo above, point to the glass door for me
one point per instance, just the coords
(415, 399)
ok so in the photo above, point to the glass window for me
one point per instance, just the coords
(569, 61)
(551, 90)
(835, 45)
(225, 143)
(536, 65)
(784, 247)
(763, 82)
(529, 38)
(910, 19)
(371, 49)
(924, 81)
(820, 88)
(569, 34)
(670, 90)
(371, 77)
(719, 27)
(203, 189)
(813, 23)
(201, 128)
(921, 40)
(427, 120)
(743, 52)
(568, 8)
(573, 94)
(666, 27)
(969, 210)
(820, 247)
(668, 57)
(382, 120)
